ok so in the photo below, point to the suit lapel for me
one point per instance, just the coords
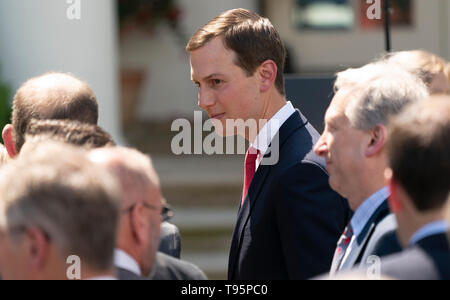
(296, 121)
(360, 243)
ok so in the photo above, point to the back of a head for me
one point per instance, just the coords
(87, 136)
(418, 152)
(379, 91)
(428, 66)
(252, 37)
(52, 96)
(58, 190)
(422, 63)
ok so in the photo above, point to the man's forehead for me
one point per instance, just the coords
(211, 59)
(338, 105)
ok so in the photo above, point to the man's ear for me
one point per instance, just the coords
(138, 223)
(268, 73)
(38, 248)
(378, 136)
(395, 203)
(8, 140)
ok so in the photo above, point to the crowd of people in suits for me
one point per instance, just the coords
(370, 195)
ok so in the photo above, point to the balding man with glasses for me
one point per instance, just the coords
(141, 214)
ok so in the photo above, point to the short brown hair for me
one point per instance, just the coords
(418, 152)
(252, 37)
(86, 135)
(52, 96)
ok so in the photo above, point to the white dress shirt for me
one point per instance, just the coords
(125, 261)
(268, 132)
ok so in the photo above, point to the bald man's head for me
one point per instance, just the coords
(57, 96)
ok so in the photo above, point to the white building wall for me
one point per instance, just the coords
(37, 37)
(168, 91)
(340, 49)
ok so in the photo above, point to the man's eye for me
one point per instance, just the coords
(216, 82)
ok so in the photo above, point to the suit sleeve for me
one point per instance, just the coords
(310, 218)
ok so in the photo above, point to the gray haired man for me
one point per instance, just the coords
(58, 217)
(353, 144)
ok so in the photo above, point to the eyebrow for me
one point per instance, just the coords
(208, 77)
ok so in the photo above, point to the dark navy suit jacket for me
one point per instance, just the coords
(291, 220)
(429, 259)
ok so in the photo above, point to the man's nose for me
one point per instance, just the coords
(205, 99)
(320, 148)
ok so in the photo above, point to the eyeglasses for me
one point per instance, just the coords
(166, 212)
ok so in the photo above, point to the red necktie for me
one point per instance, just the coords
(250, 170)
(342, 246)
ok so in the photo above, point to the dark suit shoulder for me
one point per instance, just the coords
(388, 244)
(170, 268)
(123, 274)
(428, 260)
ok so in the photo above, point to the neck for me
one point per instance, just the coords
(367, 186)
(412, 222)
(273, 102)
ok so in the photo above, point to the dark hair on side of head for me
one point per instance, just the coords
(86, 135)
(418, 152)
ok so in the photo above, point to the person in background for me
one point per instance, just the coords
(85, 135)
(57, 209)
(418, 177)
(49, 96)
(432, 69)
(141, 206)
(353, 145)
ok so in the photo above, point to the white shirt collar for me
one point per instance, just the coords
(268, 132)
(367, 209)
(125, 261)
(428, 230)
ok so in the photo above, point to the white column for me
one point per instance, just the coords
(41, 36)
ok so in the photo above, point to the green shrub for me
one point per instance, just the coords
(5, 105)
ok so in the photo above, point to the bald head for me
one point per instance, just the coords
(52, 96)
(133, 169)
(141, 202)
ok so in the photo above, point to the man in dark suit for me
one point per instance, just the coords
(289, 219)
(420, 191)
(353, 144)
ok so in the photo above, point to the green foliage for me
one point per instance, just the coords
(5, 105)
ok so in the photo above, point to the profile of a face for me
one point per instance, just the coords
(225, 91)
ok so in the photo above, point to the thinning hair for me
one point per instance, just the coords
(418, 152)
(378, 91)
(52, 96)
(59, 191)
(88, 136)
(133, 170)
(252, 38)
